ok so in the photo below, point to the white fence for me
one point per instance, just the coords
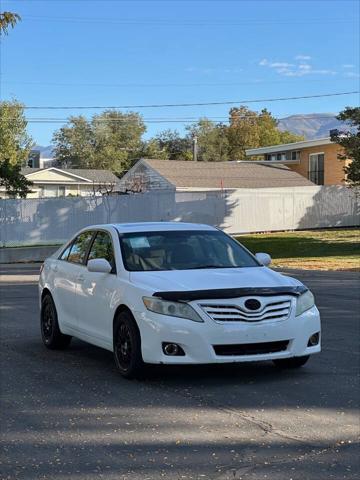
(53, 220)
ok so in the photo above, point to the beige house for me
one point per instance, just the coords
(56, 182)
(316, 160)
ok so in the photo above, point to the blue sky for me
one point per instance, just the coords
(88, 52)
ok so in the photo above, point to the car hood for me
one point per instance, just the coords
(209, 279)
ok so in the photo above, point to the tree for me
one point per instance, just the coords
(350, 141)
(118, 139)
(152, 149)
(74, 144)
(7, 20)
(12, 179)
(213, 144)
(174, 146)
(111, 140)
(15, 147)
(14, 141)
(249, 129)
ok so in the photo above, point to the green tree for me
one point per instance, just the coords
(74, 144)
(212, 141)
(7, 20)
(152, 149)
(111, 140)
(12, 179)
(118, 139)
(350, 141)
(15, 147)
(174, 146)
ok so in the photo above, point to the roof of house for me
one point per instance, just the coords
(188, 174)
(92, 175)
(288, 146)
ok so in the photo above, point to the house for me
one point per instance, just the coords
(316, 159)
(179, 175)
(56, 182)
(39, 159)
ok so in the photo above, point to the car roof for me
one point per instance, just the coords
(152, 226)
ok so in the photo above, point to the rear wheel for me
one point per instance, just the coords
(127, 346)
(50, 331)
(294, 362)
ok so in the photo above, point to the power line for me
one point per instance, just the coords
(198, 104)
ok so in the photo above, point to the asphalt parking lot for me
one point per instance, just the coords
(69, 415)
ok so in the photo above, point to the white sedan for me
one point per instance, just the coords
(174, 293)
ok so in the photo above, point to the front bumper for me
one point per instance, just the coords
(197, 339)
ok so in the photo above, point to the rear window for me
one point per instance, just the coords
(183, 250)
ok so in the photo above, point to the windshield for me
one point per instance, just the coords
(183, 250)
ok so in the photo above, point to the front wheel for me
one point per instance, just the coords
(294, 362)
(50, 331)
(127, 346)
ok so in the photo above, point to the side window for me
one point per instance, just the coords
(102, 247)
(65, 253)
(79, 248)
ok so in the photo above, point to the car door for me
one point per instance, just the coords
(67, 274)
(95, 294)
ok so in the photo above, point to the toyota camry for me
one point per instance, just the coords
(174, 293)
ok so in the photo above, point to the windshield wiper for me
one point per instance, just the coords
(211, 266)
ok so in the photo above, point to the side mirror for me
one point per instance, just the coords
(263, 258)
(100, 265)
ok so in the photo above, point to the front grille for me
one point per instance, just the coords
(272, 310)
(251, 348)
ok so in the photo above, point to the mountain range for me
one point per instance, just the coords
(311, 125)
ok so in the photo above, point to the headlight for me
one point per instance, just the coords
(304, 302)
(173, 309)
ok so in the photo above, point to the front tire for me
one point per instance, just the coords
(50, 332)
(294, 362)
(127, 346)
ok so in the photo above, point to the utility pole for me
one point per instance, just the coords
(195, 148)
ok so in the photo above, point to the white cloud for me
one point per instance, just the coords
(298, 69)
(281, 65)
(348, 65)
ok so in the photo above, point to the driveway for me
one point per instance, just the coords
(69, 415)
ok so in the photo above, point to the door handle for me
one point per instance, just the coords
(80, 278)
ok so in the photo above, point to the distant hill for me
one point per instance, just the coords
(312, 125)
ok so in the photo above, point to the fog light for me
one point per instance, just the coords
(172, 349)
(313, 340)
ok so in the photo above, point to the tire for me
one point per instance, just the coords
(50, 332)
(294, 362)
(127, 346)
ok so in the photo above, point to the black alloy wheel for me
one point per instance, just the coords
(127, 346)
(50, 331)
